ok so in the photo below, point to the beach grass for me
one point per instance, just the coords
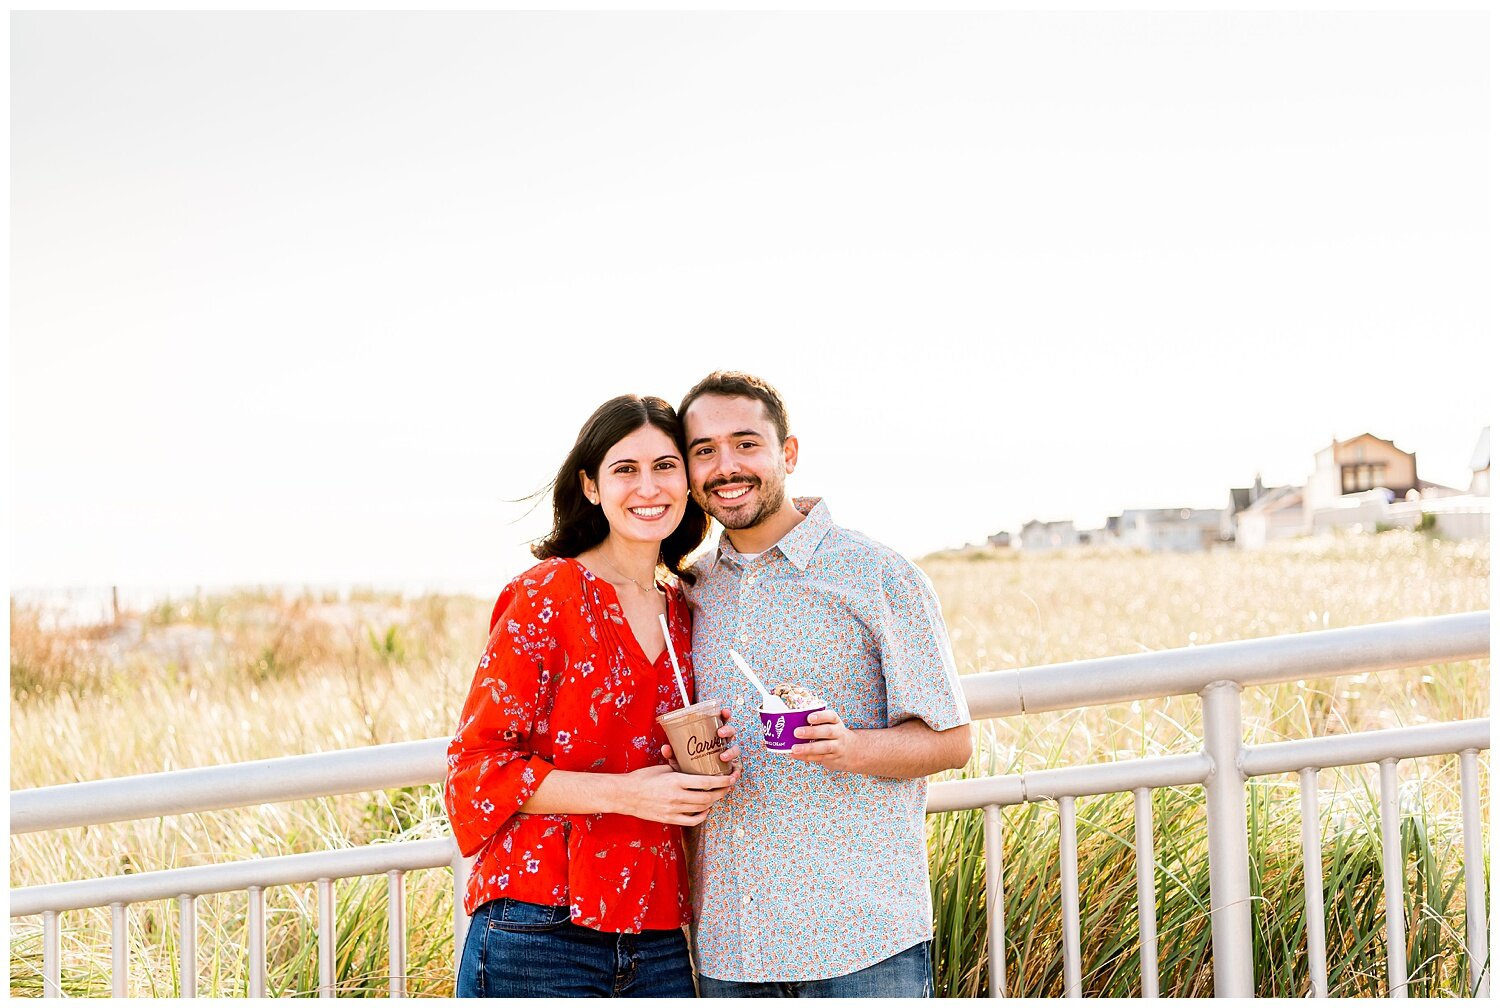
(249, 675)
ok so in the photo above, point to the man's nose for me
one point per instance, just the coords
(725, 466)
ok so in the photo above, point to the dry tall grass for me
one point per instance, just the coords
(260, 674)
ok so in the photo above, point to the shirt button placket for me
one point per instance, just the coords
(745, 584)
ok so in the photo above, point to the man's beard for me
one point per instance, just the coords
(772, 497)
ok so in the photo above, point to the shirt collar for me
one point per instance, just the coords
(799, 544)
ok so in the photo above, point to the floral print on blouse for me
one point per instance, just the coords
(564, 684)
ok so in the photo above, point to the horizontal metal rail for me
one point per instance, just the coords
(201, 880)
(942, 796)
(1067, 782)
(1400, 644)
(234, 785)
(1365, 747)
(1409, 643)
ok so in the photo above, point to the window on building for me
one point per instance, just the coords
(1364, 476)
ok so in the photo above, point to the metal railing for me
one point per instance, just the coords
(1217, 673)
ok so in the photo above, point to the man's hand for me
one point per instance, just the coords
(830, 742)
(905, 751)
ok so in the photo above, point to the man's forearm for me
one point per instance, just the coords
(910, 750)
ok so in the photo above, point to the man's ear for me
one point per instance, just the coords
(590, 488)
(789, 452)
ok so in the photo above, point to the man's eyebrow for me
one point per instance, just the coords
(737, 434)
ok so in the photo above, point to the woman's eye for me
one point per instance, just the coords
(668, 464)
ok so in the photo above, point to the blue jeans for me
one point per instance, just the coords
(517, 949)
(904, 975)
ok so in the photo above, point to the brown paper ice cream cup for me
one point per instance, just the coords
(694, 735)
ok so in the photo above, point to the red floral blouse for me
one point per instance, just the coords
(564, 684)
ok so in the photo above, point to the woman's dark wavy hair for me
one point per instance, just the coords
(578, 525)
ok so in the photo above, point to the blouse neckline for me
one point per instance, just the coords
(630, 637)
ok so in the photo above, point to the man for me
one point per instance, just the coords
(810, 878)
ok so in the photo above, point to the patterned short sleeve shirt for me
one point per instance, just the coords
(801, 872)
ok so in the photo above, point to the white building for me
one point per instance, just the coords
(1169, 530)
(1479, 465)
(1276, 514)
(1040, 535)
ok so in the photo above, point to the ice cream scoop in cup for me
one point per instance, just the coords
(786, 709)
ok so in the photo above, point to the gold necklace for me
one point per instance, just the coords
(627, 577)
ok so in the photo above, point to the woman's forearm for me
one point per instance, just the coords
(569, 791)
(657, 793)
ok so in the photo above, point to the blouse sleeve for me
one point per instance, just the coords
(492, 768)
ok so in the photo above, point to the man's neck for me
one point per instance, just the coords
(767, 533)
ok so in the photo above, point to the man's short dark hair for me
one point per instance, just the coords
(746, 386)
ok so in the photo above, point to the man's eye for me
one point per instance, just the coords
(705, 451)
(747, 444)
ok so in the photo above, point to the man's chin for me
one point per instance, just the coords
(736, 519)
(735, 522)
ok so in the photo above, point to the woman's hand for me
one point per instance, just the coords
(662, 794)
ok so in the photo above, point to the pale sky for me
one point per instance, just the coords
(306, 298)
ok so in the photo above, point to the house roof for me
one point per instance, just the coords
(1277, 499)
(1372, 437)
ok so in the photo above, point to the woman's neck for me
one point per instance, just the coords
(635, 561)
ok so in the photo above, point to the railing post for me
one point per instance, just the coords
(461, 866)
(1478, 930)
(1393, 867)
(994, 897)
(51, 955)
(1228, 845)
(327, 938)
(119, 951)
(255, 922)
(187, 927)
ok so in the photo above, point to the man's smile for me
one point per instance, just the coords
(734, 492)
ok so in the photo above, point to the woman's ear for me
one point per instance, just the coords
(590, 488)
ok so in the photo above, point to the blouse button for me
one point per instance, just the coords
(739, 832)
(739, 701)
(746, 899)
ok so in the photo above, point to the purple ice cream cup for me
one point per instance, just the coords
(779, 727)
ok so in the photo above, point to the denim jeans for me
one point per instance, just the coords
(517, 949)
(904, 975)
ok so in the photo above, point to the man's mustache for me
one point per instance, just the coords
(713, 485)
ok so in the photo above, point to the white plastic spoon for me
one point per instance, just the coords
(767, 700)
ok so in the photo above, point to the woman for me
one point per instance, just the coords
(557, 778)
